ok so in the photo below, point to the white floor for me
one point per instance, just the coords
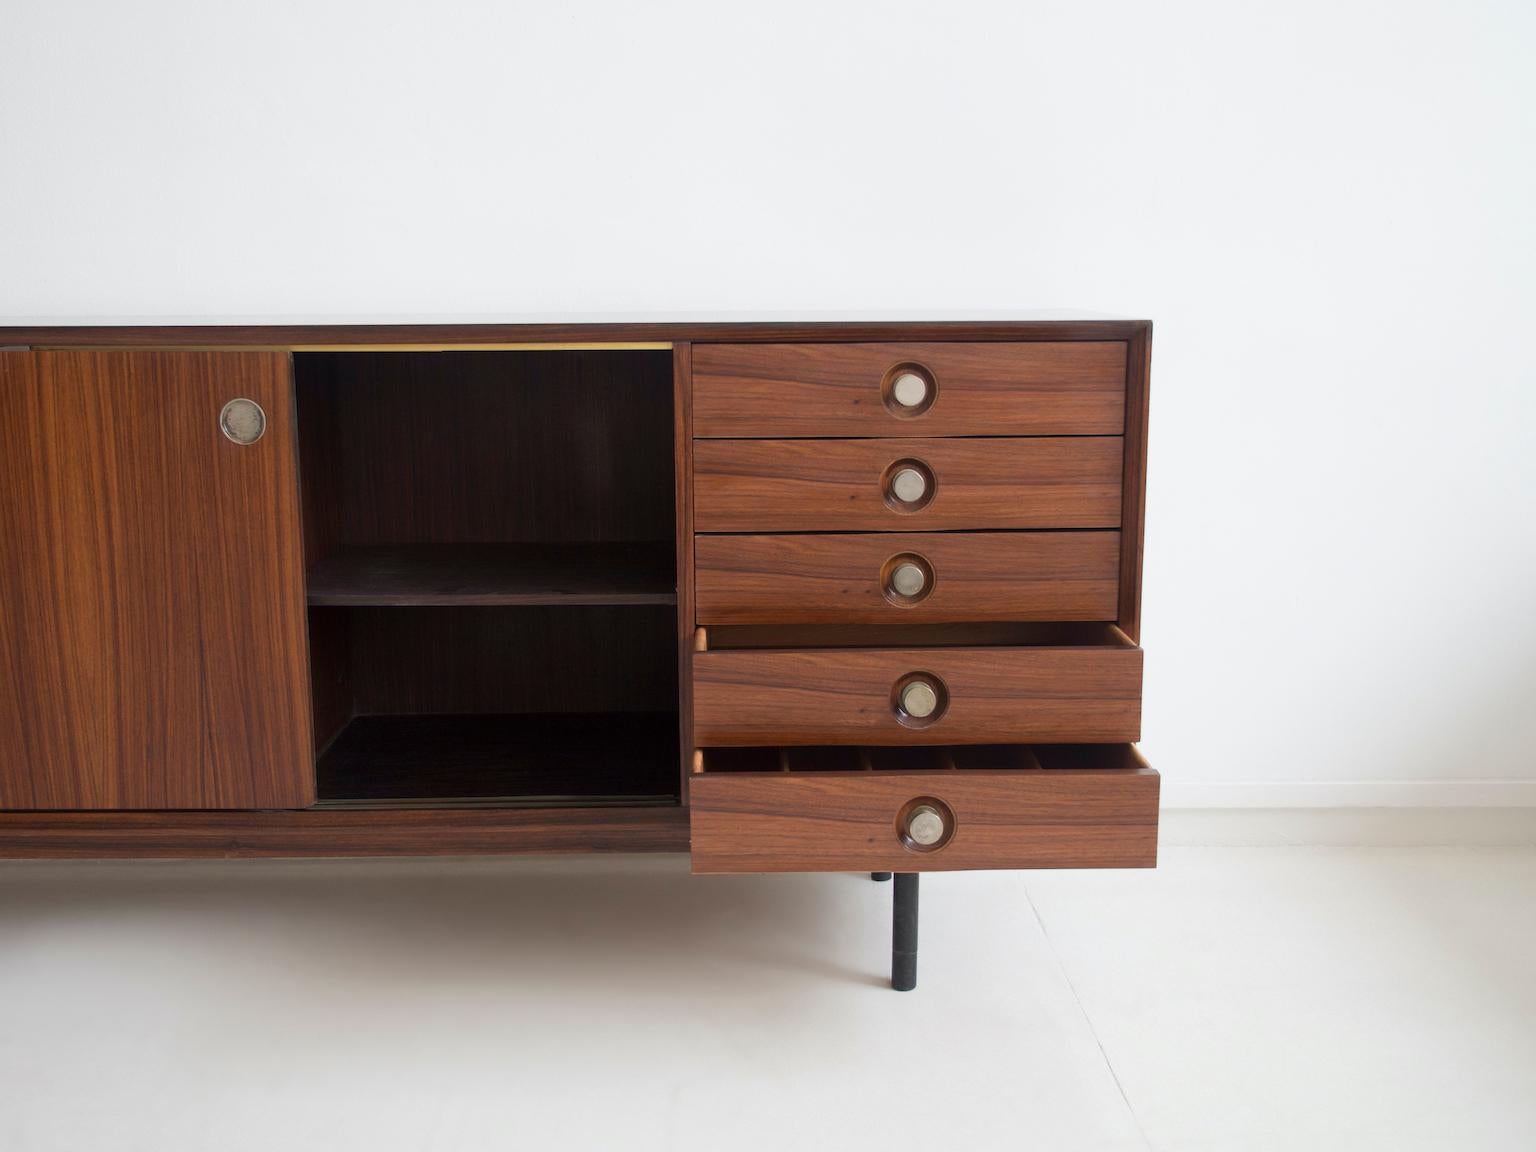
(1236, 998)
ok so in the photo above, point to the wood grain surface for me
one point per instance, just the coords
(841, 485)
(499, 574)
(837, 578)
(844, 695)
(490, 447)
(531, 760)
(577, 331)
(817, 390)
(682, 466)
(324, 832)
(152, 636)
(1134, 501)
(847, 821)
(589, 658)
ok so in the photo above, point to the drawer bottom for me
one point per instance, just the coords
(922, 809)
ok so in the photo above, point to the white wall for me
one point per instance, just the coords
(1326, 207)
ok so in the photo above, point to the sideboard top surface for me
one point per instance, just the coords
(641, 331)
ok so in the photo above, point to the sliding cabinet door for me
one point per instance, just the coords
(152, 629)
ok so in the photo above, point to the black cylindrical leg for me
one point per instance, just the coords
(879, 875)
(904, 933)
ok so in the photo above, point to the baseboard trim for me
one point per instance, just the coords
(1349, 827)
(1187, 794)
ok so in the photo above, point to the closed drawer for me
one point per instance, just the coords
(906, 484)
(798, 390)
(1092, 807)
(907, 577)
(1081, 693)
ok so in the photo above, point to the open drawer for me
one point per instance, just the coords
(1061, 683)
(843, 809)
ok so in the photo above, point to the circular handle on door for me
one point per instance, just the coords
(243, 421)
(919, 699)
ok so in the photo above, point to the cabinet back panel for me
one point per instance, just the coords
(536, 659)
(486, 447)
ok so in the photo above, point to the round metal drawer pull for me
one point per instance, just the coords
(909, 390)
(907, 579)
(919, 700)
(243, 421)
(925, 826)
(909, 485)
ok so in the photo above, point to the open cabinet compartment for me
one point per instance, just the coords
(490, 556)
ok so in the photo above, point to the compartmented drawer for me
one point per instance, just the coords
(887, 577)
(845, 809)
(928, 389)
(906, 484)
(1082, 685)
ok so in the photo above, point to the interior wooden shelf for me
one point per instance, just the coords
(424, 574)
(502, 760)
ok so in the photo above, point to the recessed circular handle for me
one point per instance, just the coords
(909, 390)
(243, 421)
(919, 700)
(909, 485)
(925, 826)
(906, 579)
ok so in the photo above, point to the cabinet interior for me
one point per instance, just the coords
(491, 575)
(930, 758)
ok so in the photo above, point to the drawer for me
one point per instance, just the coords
(947, 389)
(907, 577)
(1088, 691)
(756, 810)
(906, 484)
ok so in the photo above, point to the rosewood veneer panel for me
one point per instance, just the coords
(846, 696)
(799, 390)
(837, 578)
(848, 821)
(841, 485)
(151, 585)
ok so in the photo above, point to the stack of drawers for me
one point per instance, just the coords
(907, 571)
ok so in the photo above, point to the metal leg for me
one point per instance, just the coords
(904, 933)
(879, 875)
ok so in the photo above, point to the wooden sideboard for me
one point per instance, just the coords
(792, 597)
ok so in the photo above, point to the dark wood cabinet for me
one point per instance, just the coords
(792, 596)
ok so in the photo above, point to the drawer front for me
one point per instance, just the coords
(907, 577)
(859, 821)
(895, 696)
(906, 484)
(799, 390)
